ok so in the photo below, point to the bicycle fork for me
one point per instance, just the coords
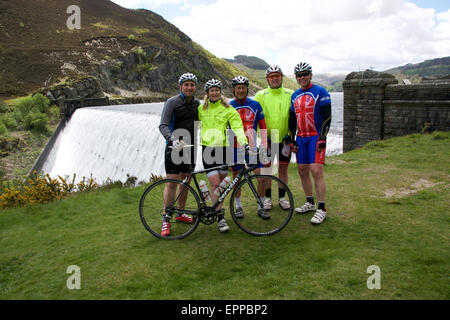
(255, 192)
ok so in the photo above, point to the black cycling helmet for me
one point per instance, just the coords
(240, 80)
(213, 83)
(188, 77)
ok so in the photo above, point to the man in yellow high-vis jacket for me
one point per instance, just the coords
(276, 101)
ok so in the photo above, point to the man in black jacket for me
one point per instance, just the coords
(177, 127)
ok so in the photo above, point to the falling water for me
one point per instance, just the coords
(108, 144)
(115, 141)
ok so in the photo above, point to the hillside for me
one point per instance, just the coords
(256, 68)
(416, 72)
(333, 83)
(250, 62)
(117, 51)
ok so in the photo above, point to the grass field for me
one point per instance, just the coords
(388, 205)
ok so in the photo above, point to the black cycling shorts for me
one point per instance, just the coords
(281, 158)
(182, 162)
(216, 156)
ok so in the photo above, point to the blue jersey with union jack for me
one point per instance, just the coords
(306, 104)
(251, 113)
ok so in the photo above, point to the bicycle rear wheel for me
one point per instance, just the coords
(253, 223)
(155, 206)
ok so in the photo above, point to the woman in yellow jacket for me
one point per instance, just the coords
(216, 115)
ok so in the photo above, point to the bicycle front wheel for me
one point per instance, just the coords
(254, 221)
(171, 201)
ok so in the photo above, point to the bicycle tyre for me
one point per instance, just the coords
(151, 207)
(253, 224)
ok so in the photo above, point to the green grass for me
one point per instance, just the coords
(406, 235)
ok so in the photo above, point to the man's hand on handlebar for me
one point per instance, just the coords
(177, 144)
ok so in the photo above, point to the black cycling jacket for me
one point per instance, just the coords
(178, 114)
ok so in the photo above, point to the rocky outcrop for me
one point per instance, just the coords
(153, 71)
(88, 87)
(140, 74)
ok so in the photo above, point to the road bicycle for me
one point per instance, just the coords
(191, 202)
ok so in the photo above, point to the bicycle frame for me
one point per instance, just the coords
(201, 212)
(243, 173)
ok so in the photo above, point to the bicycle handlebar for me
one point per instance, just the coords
(250, 167)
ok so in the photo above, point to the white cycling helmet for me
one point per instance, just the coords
(273, 69)
(213, 83)
(188, 77)
(302, 67)
(240, 80)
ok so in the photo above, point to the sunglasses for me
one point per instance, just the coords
(303, 74)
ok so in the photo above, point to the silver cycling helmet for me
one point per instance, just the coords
(302, 67)
(213, 83)
(187, 77)
(240, 80)
(273, 69)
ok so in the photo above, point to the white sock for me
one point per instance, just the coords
(238, 203)
(262, 201)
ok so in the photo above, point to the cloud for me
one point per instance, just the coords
(333, 36)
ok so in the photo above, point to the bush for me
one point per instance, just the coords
(41, 102)
(8, 120)
(24, 106)
(3, 129)
(4, 107)
(36, 103)
(43, 189)
(37, 121)
(54, 112)
(17, 116)
(110, 184)
(87, 184)
(10, 198)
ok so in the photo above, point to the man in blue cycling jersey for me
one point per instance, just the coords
(252, 117)
(310, 117)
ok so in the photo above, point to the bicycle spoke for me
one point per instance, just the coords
(252, 222)
(171, 201)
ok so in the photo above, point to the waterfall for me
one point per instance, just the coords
(113, 141)
(108, 144)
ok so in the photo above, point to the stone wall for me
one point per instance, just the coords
(377, 107)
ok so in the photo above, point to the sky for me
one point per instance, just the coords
(332, 36)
